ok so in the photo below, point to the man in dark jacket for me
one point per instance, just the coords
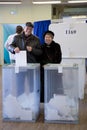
(31, 44)
(27, 41)
(51, 54)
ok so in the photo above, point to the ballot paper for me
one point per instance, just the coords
(60, 69)
(13, 109)
(26, 100)
(61, 107)
(20, 59)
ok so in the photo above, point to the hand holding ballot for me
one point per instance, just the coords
(29, 48)
(16, 50)
(20, 59)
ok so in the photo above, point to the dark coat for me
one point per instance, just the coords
(51, 53)
(21, 41)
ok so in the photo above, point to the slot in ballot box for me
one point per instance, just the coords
(21, 92)
(61, 93)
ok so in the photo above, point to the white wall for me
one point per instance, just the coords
(41, 12)
(23, 13)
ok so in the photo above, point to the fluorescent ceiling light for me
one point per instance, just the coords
(77, 1)
(46, 2)
(4, 3)
(83, 16)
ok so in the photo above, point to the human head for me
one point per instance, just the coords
(28, 28)
(19, 29)
(48, 37)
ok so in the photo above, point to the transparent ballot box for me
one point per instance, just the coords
(61, 93)
(21, 92)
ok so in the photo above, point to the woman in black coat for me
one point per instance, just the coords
(51, 50)
(51, 54)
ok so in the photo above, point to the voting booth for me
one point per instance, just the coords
(71, 34)
(61, 86)
(21, 92)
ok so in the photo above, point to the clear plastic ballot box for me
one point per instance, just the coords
(21, 92)
(61, 93)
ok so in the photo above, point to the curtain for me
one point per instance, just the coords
(8, 29)
(40, 27)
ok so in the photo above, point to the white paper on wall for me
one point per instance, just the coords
(21, 59)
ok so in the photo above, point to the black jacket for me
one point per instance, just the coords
(21, 41)
(51, 53)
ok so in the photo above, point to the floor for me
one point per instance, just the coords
(40, 125)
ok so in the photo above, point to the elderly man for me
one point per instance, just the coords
(31, 44)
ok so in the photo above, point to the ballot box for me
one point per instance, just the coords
(21, 92)
(61, 93)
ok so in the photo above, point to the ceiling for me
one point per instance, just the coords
(30, 1)
(10, 0)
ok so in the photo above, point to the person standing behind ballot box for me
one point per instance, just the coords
(51, 54)
(31, 44)
(27, 41)
(19, 30)
(51, 50)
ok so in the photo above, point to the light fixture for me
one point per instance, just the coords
(80, 16)
(13, 12)
(47, 2)
(77, 1)
(9, 2)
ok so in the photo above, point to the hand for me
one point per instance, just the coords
(29, 48)
(17, 50)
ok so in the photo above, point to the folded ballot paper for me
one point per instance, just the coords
(20, 60)
(14, 110)
(61, 107)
